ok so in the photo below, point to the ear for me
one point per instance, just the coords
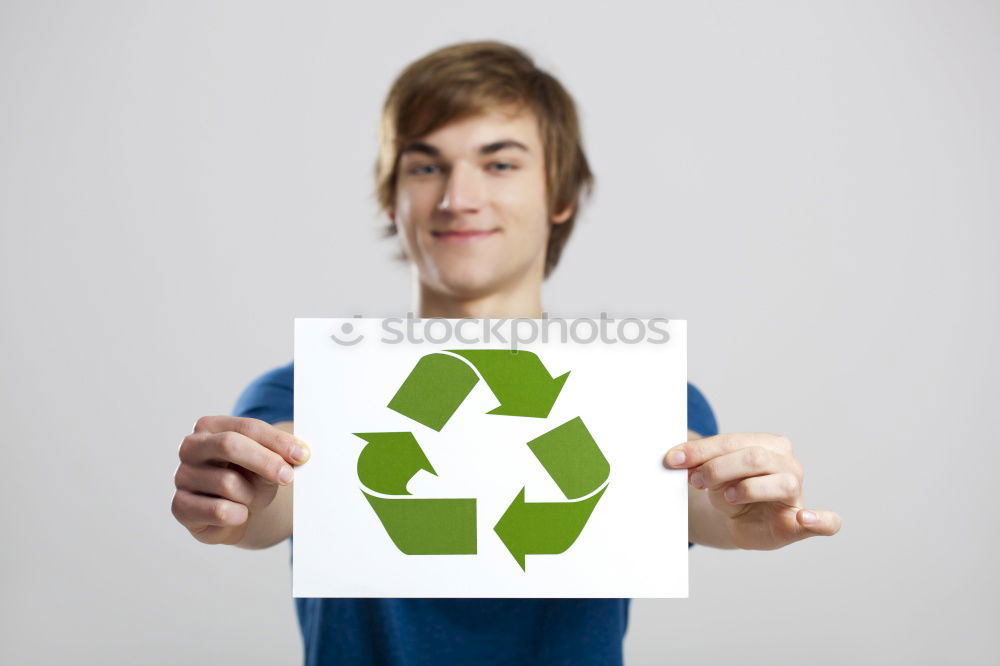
(563, 215)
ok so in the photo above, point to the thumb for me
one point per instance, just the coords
(302, 453)
(815, 522)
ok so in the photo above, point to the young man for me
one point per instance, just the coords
(480, 171)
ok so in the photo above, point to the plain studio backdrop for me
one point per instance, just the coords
(813, 186)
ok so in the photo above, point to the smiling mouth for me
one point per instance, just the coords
(463, 235)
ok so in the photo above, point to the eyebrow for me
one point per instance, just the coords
(486, 149)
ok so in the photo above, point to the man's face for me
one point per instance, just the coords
(471, 204)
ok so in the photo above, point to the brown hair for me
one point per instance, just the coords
(466, 79)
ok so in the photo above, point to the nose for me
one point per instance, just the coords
(463, 191)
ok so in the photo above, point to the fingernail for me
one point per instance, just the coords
(285, 475)
(731, 494)
(676, 457)
(300, 453)
(697, 480)
(808, 517)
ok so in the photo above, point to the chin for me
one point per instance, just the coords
(467, 279)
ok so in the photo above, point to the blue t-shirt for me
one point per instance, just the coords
(411, 632)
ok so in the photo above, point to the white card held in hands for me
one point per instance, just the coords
(490, 458)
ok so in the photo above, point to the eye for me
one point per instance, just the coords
(508, 165)
(419, 169)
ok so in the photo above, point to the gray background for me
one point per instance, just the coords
(813, 186)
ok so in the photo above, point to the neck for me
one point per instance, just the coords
(523, 299)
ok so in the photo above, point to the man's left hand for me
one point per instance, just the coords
(756, 484)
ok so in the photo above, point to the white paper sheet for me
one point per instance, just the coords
(631, 399)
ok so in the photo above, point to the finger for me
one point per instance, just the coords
(219, 423)
(697, 452)
(195, 511)
(218, 481)
(815, 522)
(213, 535)
(782, 487)
(285, 444)
(229, 446)
(729, 467)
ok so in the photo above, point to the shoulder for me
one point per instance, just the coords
(701, 418)
(269, 397)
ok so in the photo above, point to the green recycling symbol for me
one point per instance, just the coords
(430, 395)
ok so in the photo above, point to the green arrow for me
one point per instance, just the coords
(543, 528)
(428, 526)
(389, 460)
(434, 389)
(572, 458)
(518, 380)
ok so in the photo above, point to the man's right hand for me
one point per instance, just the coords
(231, 467)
